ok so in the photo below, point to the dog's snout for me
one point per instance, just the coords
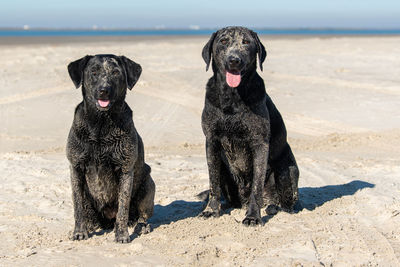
(234, 61)
(103, 92)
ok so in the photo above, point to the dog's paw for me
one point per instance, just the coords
(207, 213)
(213, 209)
(80, 235)
(272, 209)
(122, 238)
(252, 221)
(142, 228)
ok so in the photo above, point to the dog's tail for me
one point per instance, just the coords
(203, 196)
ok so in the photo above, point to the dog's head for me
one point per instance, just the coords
(104, 79)
(234, 51)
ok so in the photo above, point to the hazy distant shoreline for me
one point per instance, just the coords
(194, 30)
(57, 40)
(20, 40)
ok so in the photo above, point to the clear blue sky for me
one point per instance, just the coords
(203, 13)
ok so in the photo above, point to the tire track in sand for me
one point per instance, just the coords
(33, 94)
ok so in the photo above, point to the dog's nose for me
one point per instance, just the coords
(234, 61)
(103, 92)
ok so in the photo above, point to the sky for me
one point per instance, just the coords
(381, 14)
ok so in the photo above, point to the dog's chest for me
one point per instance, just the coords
(102, 177)
(233, 134)
(237, 134)
(102, 182)
(237, 155)
(233, 127)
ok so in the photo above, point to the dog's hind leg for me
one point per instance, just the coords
(145, 206)
(270, 195)
(287, 183)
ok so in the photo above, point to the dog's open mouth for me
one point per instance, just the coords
(233, 78)
(103, 103)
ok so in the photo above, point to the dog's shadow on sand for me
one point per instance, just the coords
(175, 211)
(311, 198)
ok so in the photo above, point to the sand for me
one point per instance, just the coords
(340, 101)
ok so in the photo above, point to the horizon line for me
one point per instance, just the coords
(193, 28)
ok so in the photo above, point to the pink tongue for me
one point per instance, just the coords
(233, 79)
(103, 103)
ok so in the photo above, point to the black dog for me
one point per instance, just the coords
(249, 160)
(111, 183)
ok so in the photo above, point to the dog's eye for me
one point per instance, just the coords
(246, 42)
(224, 41)
(94, 71)
(115, 72)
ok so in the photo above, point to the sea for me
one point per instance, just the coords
(161, 32)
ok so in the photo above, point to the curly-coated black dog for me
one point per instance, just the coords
(111, 183)
(249, 160)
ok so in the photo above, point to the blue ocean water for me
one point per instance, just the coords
(155, 32)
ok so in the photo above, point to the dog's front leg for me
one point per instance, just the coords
(124, 199)
(260, 160)
(80, 214)
(213, 152)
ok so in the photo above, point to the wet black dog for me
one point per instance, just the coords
(111, 183)
(249, 160)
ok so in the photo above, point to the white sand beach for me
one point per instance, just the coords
(339, 97)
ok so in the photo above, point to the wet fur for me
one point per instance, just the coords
(111, 183)
(249, 160)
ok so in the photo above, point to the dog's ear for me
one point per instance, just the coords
(75, 70)
(262, 54)
(133, 71)
(207, 50)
